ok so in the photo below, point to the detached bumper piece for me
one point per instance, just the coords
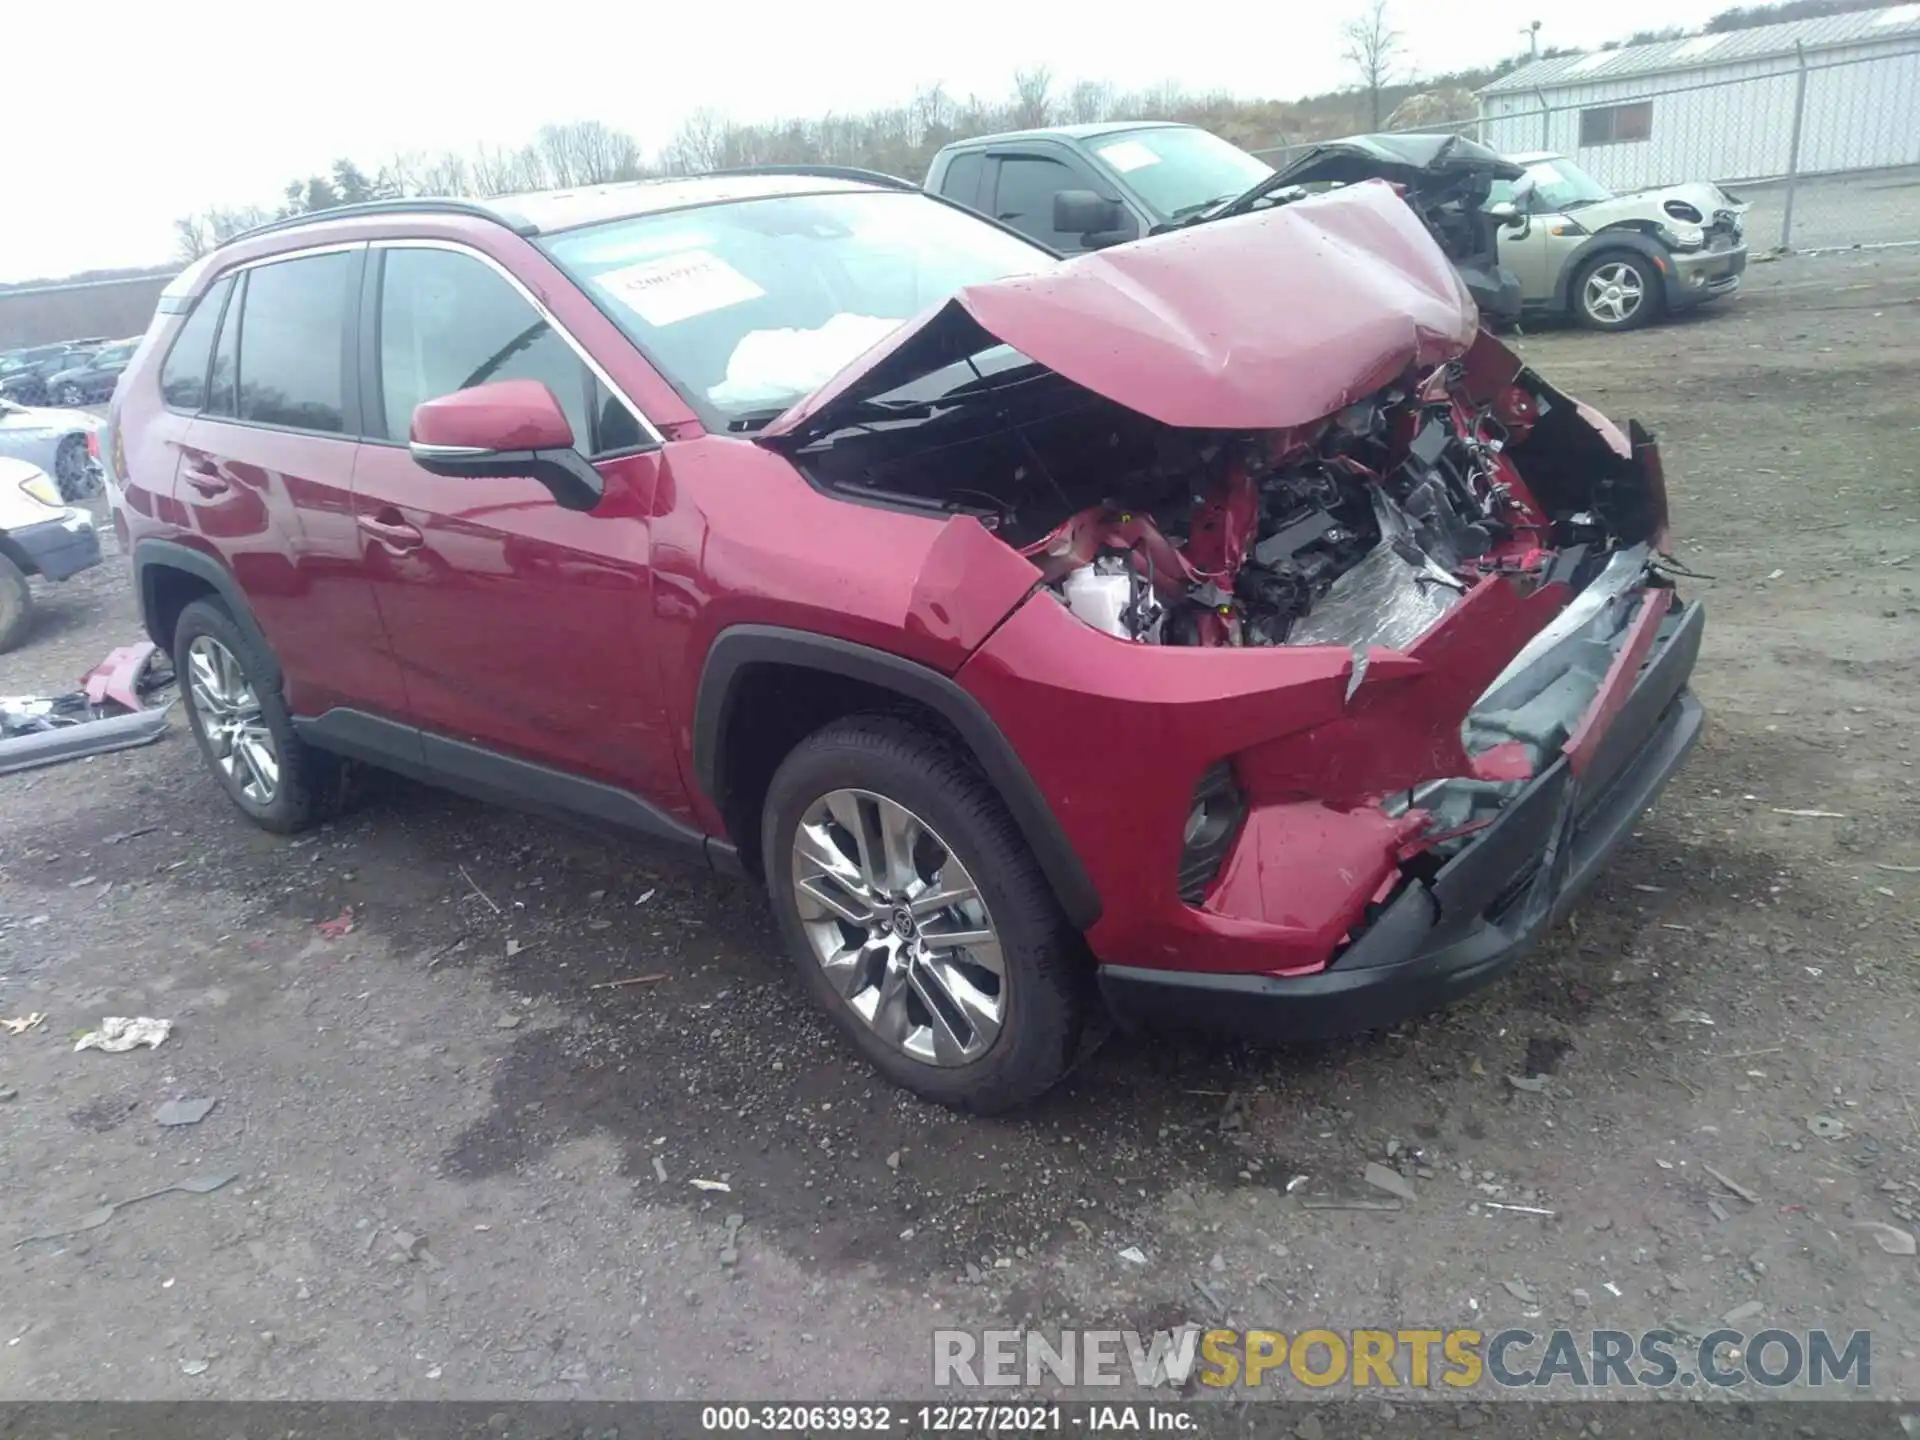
(60, 549)
(107, 713)
(1477, 917)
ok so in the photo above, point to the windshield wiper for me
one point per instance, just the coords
(1199, 205)
(853, 411)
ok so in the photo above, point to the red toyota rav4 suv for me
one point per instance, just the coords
(1218, 626)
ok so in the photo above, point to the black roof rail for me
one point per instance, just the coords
(422, 205)
(825, 172)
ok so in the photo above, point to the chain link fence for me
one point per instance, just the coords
(1835, 131)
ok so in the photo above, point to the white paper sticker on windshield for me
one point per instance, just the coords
(1128, 155)
(678, 287)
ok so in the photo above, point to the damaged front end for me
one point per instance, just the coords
(1349, 655)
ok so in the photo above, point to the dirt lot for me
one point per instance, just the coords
(465, 1171)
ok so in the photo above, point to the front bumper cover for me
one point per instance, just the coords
(1478, 916)
(1701, 275)
(60, 548)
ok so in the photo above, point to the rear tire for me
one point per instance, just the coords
(70, 470)
(239, 720)
(961, 1035)
(16, 605)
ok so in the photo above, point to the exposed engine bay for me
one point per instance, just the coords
(1354, 533)
(1361, 529)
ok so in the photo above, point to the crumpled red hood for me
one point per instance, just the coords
(1268, 320)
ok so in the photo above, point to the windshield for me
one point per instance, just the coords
(751, 305)
(1558, 184)
(1178, 170)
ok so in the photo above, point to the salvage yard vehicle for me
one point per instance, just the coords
(39, 536)
(1076, 188)
(1219, 627)
(1617, 261)
(92, 378)
(23, 377)
(64, 443)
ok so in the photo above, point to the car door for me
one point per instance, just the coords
(1536, 253)
(520, 626)
(265, 476)
(1023, 186)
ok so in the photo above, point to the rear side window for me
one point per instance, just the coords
(449, 322)
(962, 180)
(183, 377)
(293, 321)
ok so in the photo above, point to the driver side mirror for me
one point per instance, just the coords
(1098, 221)
(1509, 216)
(508, 427)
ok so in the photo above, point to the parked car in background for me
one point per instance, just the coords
(64, 443)
(1617, 261)
(24, 378)
(91, 381)
(1076, 188)
(832, 534)
(39, 536)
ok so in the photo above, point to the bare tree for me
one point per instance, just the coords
(1031, 104)
(1373, 48)
(196, 235)
(1089, 100)
(586, 152)
(192, 237)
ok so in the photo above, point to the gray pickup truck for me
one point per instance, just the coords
(1083, 187)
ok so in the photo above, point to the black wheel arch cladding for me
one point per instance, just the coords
(1601, 243)
(737, 650)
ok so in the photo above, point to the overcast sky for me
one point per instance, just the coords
(148, 111)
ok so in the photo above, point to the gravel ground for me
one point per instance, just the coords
(464, 1171)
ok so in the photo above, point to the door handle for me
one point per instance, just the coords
(207, 481)
(391, 531)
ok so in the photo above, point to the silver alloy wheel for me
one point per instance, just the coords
(70, 395)
(230, 715)
(1613, 293)
(899, 927)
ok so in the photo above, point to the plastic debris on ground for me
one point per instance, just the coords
(341, 924)
(94, 1219)
(108, 712)
(21, 1024)
(184, 1112)
(120, 1033)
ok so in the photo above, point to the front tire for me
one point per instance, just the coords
(1617, 291)
(71, 397)
(919, 919)
(240, 722)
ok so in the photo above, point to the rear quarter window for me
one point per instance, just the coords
(961, 183)
(183, 375)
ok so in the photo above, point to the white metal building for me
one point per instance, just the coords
(1722, 107)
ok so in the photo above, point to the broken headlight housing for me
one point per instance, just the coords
(1213, 820)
